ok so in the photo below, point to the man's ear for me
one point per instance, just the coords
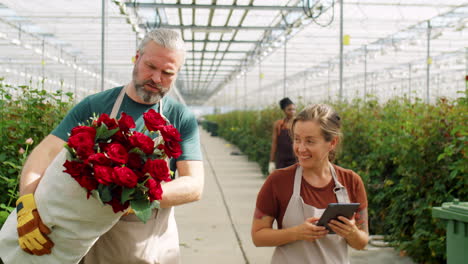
(137, 55)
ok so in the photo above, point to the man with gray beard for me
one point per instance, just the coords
(159, 58)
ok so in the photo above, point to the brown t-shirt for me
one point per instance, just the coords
(277, 190)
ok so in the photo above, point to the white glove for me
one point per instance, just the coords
(271, 166)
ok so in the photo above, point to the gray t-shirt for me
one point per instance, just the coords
(177, 114)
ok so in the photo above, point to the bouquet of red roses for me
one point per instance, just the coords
(121, 167)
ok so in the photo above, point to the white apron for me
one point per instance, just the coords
(331, 249)
(132, 241)
(75, 221)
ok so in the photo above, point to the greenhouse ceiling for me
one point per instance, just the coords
(240, 50)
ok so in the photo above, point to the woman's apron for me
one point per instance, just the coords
(132, 241)
(284, 151)
(331, 249)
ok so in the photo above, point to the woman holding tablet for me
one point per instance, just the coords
(296, 197)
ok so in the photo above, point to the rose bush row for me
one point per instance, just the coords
(25, 113)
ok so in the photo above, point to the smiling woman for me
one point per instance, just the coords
(295, 197)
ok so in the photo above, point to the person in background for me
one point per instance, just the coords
(281, 154)
(295, 197)
(159, 58)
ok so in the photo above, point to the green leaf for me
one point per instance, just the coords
(142, 209)
(104, 193)
(155, 205)
(137, 151)
(102, 132)
(95, 194)
(16, 166)
(126, 194)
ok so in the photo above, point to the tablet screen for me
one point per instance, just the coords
(337, 209)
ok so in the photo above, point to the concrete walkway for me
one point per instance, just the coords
(217, 228)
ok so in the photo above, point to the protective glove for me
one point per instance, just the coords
(32, 233)
(271, 167)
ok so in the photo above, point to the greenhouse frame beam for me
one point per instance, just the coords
(282, 8)
(223, 41)
(232, 7)
(212, 29)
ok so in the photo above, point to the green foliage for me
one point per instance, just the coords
(31, 114)
(251, 131)
(411, 155)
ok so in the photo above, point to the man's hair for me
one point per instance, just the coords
(285, 102)
(167, 38)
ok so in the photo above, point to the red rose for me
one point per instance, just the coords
(109, 122)
(87, 180)
(153, 120)
(158, 169)
(99, 159)
(154, 190)
(172, 149)
(117, 153)
(84, 129)
(170, 133)
(126, 122)
(103, 174)
(125, 177)
(116, 205)
(120, 137)
(84, 152)
(143, 142)
(81, 140)
(134, 161)
(74, 168)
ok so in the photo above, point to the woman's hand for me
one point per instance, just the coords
(309, 231)
(344, 228)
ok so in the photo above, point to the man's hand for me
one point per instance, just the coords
(32, 233)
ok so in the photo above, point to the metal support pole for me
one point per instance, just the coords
(341, 51)
(245, 91)
(236, 94)
(365, 72)
(409, 81)
(328, 81)
(43, 63)
(103, 29)
(284, 65)
(75, 88)
(466, 68)
(428, 60)
(260, 78)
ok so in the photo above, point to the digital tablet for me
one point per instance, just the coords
(337, 209)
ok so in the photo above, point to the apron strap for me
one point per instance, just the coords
(118, 102)
(297, 181)
(340, 190)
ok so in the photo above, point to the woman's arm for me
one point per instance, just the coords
(274, 143)
(263, 235)
(356, 234)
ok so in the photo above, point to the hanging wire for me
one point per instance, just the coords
(157, 21)
(311, 7)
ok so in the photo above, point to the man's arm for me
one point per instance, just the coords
(38, 161)
(188, 187)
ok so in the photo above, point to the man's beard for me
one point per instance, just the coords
(148, 96)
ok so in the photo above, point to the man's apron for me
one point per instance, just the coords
(132, 241)
(331, 249)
